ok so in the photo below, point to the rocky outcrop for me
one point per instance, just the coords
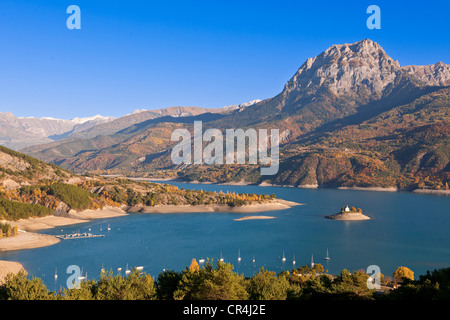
(13, 163)
(62, 209)
(9, 184)
(437, 74)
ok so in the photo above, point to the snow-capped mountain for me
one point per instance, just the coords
(20, 132)
(97, 118)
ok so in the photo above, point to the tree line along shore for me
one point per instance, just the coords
(95, 193)
(220, 282)
(50, 204)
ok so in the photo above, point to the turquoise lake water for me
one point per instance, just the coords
(405, 229)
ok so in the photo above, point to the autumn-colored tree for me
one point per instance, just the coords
(318, 268)
(194, 265)
(402, 272)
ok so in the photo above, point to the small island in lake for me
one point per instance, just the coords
(349, 214)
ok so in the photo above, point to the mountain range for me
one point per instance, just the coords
(21, 132)
(351, 116)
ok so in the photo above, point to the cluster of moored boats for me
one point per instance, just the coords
(283, 259)
(79, 235)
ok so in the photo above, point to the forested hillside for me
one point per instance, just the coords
(351, 116)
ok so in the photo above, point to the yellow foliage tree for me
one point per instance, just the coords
(402, 272)
(194, 265)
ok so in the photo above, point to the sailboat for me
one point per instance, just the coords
(221, 259)
(312, 261)
(253, 259)
(284, 258)
(293, 260)
(327, 257)
(56, 273)
(201, 260)
(239, 255)
(127, 271)
(81, 277)
(109, 227)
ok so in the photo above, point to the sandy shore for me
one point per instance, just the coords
(276, 204)
(254, 218)
(266, 184)
(428, 191)
(391, 189)
(107, 212)
(26, 239)
(73, 217)
(9, 267)
(308, 186)
(48, 222)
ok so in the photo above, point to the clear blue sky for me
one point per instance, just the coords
(147, 54)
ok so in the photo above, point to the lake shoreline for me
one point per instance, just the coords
(7, 267)
(302, 230)
(29, 239)
(305, 186)
(26, 240)
(272, 205)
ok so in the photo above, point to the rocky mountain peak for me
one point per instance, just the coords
(346, 69)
